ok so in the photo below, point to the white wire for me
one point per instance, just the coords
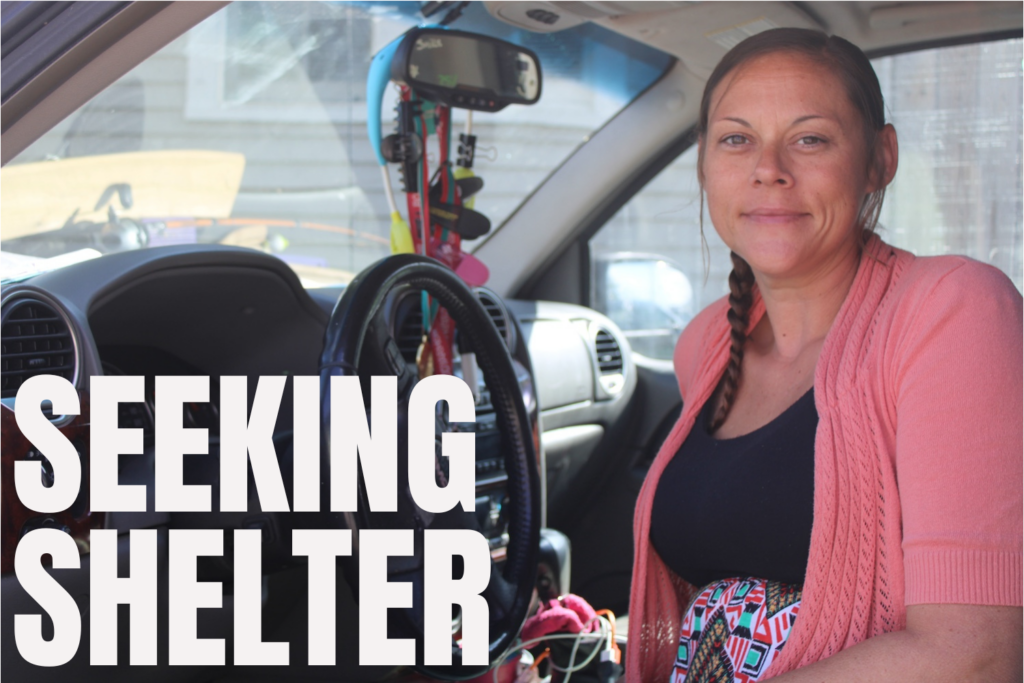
(387, 189)
(556, 636)
(572, 661)
(572, 667)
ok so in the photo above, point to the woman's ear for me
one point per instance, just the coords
(887, 156)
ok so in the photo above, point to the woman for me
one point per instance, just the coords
(849, 451)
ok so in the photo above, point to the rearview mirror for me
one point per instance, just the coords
(466, 70)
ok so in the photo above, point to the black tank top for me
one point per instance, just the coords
(740, 507)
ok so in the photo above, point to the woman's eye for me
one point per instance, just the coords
(810, 140)
(734, 140)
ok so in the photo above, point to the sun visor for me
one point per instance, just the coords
(700, 34)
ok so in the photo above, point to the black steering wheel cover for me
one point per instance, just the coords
(349, 325)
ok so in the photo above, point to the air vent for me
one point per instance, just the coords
(498, 314)
(36, 341)
(609, 355)
(410, 335)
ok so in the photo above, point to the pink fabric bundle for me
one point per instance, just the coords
(568, 614)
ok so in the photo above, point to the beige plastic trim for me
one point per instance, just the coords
(955, 13)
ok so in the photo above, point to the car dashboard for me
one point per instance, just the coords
(219, 311)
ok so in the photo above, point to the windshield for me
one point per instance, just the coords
(250, 130)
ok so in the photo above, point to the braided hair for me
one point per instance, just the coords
(741, 285)
(853, 68)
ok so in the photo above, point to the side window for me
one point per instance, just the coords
(648, 262)
(957, 112)
(958, 190)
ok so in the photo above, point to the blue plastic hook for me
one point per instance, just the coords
(376, 81)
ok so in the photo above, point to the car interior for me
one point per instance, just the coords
(194, 188)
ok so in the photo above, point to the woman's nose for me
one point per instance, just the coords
(771, 168)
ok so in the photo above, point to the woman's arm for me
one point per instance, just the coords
(956, 379)
(959, 643)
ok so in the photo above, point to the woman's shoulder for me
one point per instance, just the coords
(953, 270)
(942, 285)
(944, 308)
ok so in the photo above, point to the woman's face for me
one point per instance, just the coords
(786, 166)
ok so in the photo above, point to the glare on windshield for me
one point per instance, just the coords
(250, 130)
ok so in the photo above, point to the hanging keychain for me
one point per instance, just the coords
(440, 209)
(439, 243)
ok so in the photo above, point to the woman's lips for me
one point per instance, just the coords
(773, 216)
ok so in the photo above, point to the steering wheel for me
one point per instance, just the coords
(358, 342)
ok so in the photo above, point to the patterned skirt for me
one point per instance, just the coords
(733, 629)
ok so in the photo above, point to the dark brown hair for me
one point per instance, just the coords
(851, 66)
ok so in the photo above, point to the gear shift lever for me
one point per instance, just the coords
(554, 565)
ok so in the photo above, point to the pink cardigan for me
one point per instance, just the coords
(918, 458)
